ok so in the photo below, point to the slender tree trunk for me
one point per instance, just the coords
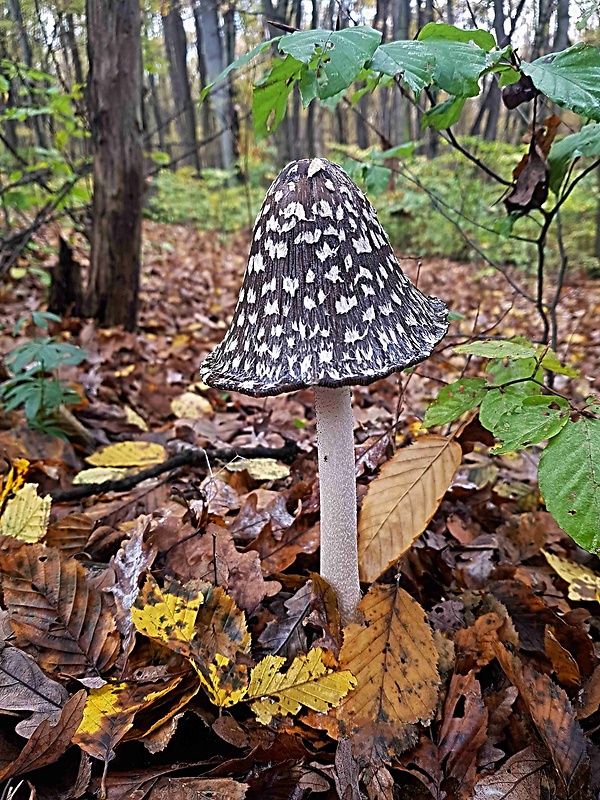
(229, 53)
(114, 91)
(212, 45)
(561, 37)
(25, 47)
(313, 127)
(542, 29)
(157, 111)
(205, 108)
(185, 121)
(71, 38)
(401, 16)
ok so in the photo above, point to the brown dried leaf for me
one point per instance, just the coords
(70, 534)
(221, 625)
(198, 789)
(325, 615)
(553, 716)
(462, 735)
(286, 636)
(401, 501)
(49, 741)
(393, 657)
(563, 663)
(213, 557)
(52, 607)
(520, 778)
(278, 552)
(24, 687)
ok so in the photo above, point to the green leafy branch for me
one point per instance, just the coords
(521, 411)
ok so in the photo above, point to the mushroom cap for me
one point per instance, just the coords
(324, 301)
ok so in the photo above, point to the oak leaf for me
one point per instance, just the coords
(402, 499)
(52, 607)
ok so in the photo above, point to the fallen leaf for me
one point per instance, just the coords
(462, 735)
(24, 687)
(190, 405)
(520, 778)
(286, 636)
(198, 789)
(563, 663)
(99, 475)
(278, 552)
(52, 608)
(48, 741)
(14, 479)
(133, 418)
(308, 682)
(70, 534)
(584, 583)
(260, 469)
(401, 500)
(26, 515)
(128, 454)
(221, 625)
(393, 657)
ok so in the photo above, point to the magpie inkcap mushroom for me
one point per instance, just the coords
(324, 304)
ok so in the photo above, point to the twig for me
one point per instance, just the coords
(193, 456)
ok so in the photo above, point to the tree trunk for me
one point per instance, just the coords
(114, 92)
(561, 37)
(542, 29)
(401, 16)
(185, 120)
(25, 47)
(72, 44)
(158, 117)
(212, 44)
(205, 108)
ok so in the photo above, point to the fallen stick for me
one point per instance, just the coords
(192, 456)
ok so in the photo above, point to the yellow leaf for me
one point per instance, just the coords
(26, 516)
(123, 373)
(393, 655)
(308, 682)
(109, 713)
(14, 480)
(226, 682)
(261, 469)
(584, 583)
(168, 614)
(128, 454)
(221, 625)
(401, 501)
(99, 475)
(190, 405)
(133, 418)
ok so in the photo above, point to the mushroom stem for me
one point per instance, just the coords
(339, 546)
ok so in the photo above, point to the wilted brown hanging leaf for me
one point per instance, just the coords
(198, 789)
(531, 188)
(554, 718)
(52, 607)
(393, 657)
(24, 687)
(520, 778)
(462, 735)
(401, 501)
(49, 741)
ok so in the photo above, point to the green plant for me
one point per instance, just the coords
(520, 410)
(34, 385)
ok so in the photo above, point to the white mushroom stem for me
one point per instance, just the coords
(339, 546)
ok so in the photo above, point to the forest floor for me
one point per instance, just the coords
(516, 711)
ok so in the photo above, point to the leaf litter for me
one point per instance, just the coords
(176, 640)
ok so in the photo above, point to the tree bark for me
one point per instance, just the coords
(561, 37)
(202, 74)
(212, 44)
(401, 16)
(185, 121)
(114, 92)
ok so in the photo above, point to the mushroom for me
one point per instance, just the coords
(324, 304)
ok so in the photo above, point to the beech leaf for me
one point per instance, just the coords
(26, 515)
(401, 501)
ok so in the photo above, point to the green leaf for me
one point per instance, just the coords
(584, 143)
(458, 66)
(531, 421)
(443, 115)
(569, 476)
(497, 348)
(552, 363)
(377, 179)
(239, 62)
(272, 93)
(411, 60)
(440, 30)
(516, 370)
(570, 78)
(404, 150)
(342, 54)
(454, 400)
(495, 404)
